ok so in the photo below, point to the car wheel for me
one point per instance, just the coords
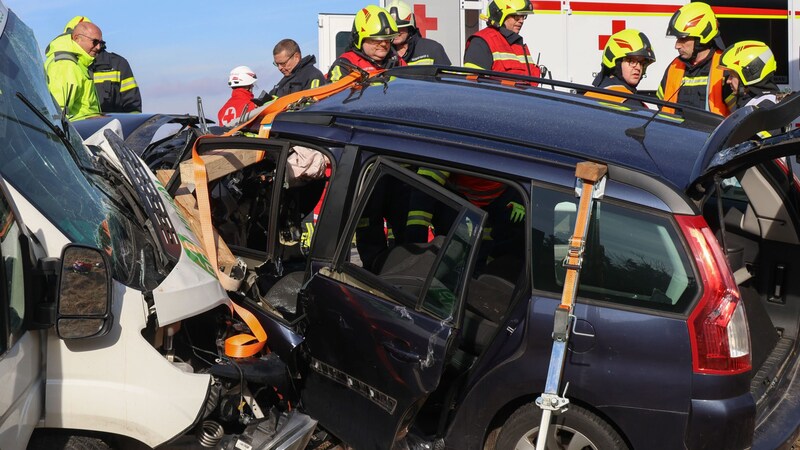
(576, 429)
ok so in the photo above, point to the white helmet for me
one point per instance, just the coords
(401, 13)
(242, 76)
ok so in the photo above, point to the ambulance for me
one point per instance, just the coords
(568, 36)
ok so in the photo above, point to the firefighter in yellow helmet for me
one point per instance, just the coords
(750, 68)
(370, 44)
(409, 43)
(499, 46)
(626, 56)
(694, 77)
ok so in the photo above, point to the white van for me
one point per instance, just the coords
(98, 269)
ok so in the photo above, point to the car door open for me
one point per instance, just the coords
(383, 317)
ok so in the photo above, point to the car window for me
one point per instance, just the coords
(632, 257)
(425, 270)
(13, 299)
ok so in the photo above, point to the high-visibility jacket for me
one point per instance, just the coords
(116, 87)
(362, 61)
(68, 77)
(701, 85)
(508, 52)
(614, 84)
(235, 106)
(422, 51)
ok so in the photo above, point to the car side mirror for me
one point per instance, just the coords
(84, 293)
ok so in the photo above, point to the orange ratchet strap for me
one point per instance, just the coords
(240, 345)
(591, 178)
(266, 116)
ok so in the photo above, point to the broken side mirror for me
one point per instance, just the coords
(84, 293)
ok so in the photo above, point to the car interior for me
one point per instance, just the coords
(759, 229)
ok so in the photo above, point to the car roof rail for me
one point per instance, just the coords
(435, 72)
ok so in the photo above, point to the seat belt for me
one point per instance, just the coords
(589, 185)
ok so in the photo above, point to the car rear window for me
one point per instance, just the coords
(632, 257)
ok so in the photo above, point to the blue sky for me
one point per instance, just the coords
(183, 49)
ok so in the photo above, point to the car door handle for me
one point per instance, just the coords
(402, 355)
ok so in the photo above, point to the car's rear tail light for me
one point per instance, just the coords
(717, 326)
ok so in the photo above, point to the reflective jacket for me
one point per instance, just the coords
(116, 87)
(612, 83)
(701, 85)
(304, 76)
(503, 48)
(339, 68)
(234, 107)
(422, 51)
(68, 76)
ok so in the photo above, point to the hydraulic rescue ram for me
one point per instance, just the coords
(590, 185)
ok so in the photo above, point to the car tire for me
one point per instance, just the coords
(575, 429)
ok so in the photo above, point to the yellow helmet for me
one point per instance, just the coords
(401, 13)
(373, 22)
(499, 10)
(695, 20)
(624, 43)
(753, 61)
(74, 21)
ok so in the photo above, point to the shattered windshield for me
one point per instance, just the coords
(47, 172)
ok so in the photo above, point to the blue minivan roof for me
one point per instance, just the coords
(531, 120)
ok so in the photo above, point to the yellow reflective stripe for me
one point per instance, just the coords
(439, 176)
(422, 62)
(315, 83)
(502, 56)
(660, 93)
(487, 234)
(421, 218)
(695, 81)
(363, 222)
(127, 84)
(764, 134)
(336, 73)
(473, 66)
(112, 76)
(419, 213)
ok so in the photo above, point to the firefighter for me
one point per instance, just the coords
(241, 81)
(370, 44)
(499, 46)
(409, 44)
(626, 57)
(694, 77)
(68, 58)
(298, 71)
(116, 86)
(750, 68)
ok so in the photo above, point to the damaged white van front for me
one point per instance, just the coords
(99, 271)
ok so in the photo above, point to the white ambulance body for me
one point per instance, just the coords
(568, 36)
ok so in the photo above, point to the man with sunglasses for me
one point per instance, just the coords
(68, 58)
(298, 71)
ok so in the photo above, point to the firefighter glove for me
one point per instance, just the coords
(517, 211)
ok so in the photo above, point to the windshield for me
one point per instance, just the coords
(37, 163)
